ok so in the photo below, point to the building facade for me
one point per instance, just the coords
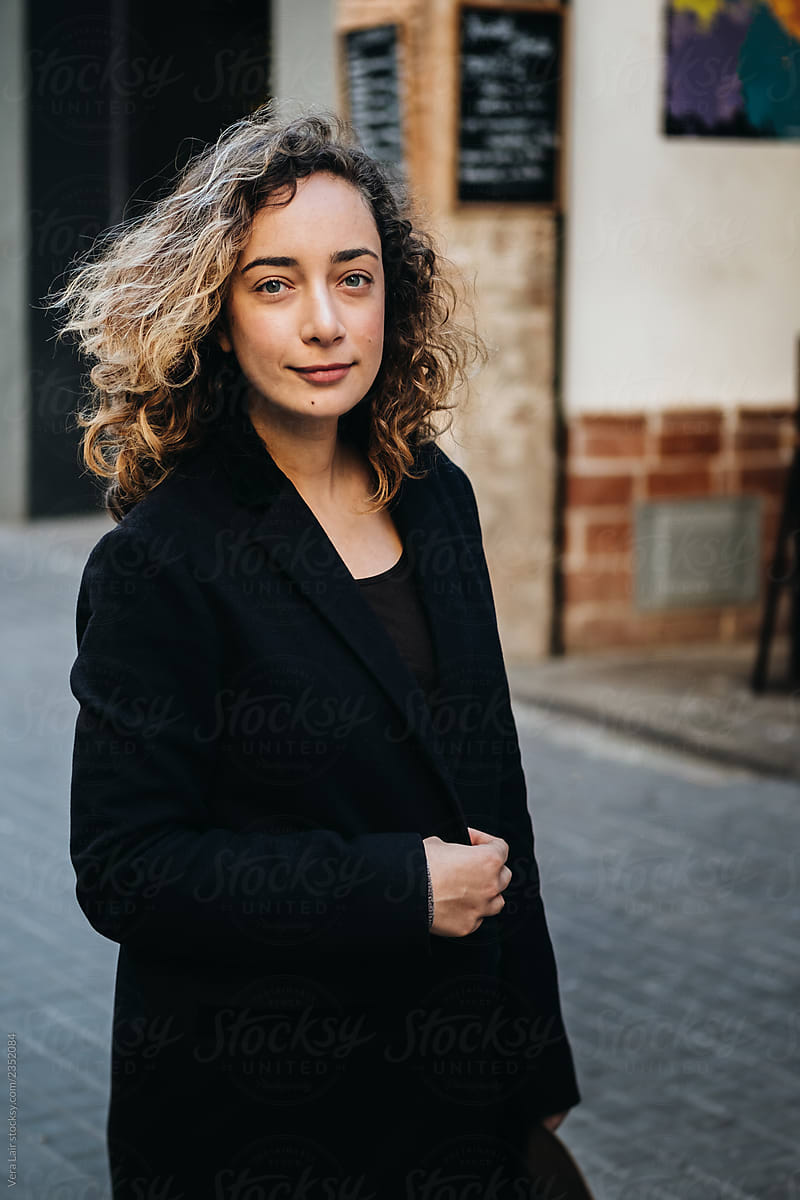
(630, 437)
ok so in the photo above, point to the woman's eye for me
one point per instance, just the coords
(270, 287)
(262, 287)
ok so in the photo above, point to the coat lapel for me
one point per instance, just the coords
(297, 545)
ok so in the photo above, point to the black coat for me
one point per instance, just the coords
(254, 770)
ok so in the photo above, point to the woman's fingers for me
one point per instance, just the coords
(467, 887)
(479, 837)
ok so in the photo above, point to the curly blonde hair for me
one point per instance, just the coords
(145, 301)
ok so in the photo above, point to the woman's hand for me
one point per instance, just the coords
(467, 881)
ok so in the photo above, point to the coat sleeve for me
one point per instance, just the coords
(153, 870)
(528, 962)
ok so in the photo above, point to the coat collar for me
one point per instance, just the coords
(296, 544)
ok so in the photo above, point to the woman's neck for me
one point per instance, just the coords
(322, 463)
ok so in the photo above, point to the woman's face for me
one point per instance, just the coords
(308, 291)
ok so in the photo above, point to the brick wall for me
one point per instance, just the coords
(615, 460)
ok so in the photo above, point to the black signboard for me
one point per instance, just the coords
(373, 63)
(510, 104)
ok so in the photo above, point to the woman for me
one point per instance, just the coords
(298, 802)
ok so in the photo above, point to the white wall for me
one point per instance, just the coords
(682, 255)
(303, 52)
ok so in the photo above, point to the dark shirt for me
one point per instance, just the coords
(393, 597)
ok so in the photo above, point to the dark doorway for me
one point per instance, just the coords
(121, 93)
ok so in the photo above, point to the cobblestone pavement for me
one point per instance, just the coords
(672, 887)
(673, 893)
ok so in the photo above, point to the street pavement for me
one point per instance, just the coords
(671, 881)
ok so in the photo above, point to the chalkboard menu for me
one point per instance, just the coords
(374, 71)
(510, 104)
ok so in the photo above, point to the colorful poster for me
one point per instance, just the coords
(733, 68)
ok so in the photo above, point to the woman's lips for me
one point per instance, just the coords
(332, 376)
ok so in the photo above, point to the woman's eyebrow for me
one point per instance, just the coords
(338, 256)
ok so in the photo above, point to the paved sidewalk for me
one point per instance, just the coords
(695, 698)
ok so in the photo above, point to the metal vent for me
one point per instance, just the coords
(695, 553)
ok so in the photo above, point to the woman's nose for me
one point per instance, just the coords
(321, 318)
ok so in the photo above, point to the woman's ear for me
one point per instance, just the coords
(223, 338)
(221, 331)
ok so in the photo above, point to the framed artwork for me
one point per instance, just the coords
(733, 68)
